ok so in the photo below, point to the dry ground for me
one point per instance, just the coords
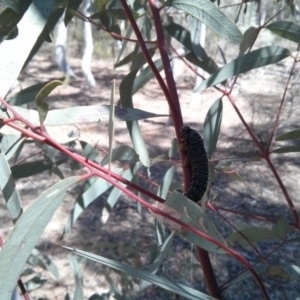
(129, 236)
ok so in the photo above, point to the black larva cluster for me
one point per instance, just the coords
(197, 159)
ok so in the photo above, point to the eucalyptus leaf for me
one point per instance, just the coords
(210, 15)
(252, 60)
(211, 127)
(291, 135)
(26, 233)
(162, 282)
(40, 99)
(286, 29)
(83, 115)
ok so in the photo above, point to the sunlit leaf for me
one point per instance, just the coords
(83, 115)
(26, 233)
(30, 27)
(210, 15)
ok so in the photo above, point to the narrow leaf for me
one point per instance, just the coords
(9, 190)
(26, 233)
(30, 27)
(164, 187)
(211, 127)
(286, 29)
(206, 12)
(92, 189)
(164, 283)
(287, 149)
(33, 168)
(145, 76)
(252, 60)
(291, 135)
(138, 142)
(83, 115)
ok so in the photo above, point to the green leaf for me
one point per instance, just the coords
(192, 214)
(124, 154)
(211, 127)
(33, 168)
(116, 193)
(183, 36)
(78, 293)
(83, 115)
(27, 95)
(252, 60)
(290, 272)
(9, 190)
(30, 27)
(145, 76)
(18, 6)
(26, 233)
(164, 283)
(248, 234)
(71, 5)
(291, 135)
(92, 189)
(164, 187)
(210, 15)
(8, 20)
(207, 64)
(34, 283)
(286, 29)
(40, 99)
(43, 261)
(287, 149)
(138, 142)
(164, 251)
(10, 143)
(249, 37)
(294, 240)
(179, 33)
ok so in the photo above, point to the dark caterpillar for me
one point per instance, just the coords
(197, 159)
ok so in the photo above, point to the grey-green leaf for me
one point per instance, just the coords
(26, 233)
(211, 127)
(252, 60)
(287, 149)
(30, 27)
(249, 37)
(40, 99)
(162, 282)
(26, 95)
(291, 135)
(286, 29)
(83, 115)
(9, 190)
(206, 12)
